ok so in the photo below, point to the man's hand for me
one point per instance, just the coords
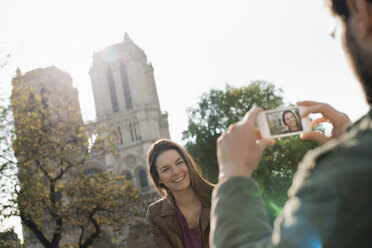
(238, 149)
(338, 119)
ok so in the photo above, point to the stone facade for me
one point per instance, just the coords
(125, 98)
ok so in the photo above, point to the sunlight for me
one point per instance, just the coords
(191, 47)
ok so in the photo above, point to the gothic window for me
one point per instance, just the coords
(128, 176)
(143, 179)
(124, 80)
(120, 136)
(111, 84)
(131, 131)
(91, 171)
(135, 131)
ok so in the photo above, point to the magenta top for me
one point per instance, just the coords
(191, 236)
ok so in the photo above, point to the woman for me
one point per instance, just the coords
(181, 217)
(291, 121)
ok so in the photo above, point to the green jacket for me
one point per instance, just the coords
(330, 201)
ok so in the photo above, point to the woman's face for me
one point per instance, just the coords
(172, 170)
(290, 120)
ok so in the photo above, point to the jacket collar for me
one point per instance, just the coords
(168, 208)
(168, 214)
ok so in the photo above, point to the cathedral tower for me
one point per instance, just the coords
(126, 98)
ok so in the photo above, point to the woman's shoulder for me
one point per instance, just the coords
(160, 207)
(158, 203)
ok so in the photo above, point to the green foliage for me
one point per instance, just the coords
(218, 109)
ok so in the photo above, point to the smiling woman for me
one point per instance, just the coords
(291, 121)
(181, 217)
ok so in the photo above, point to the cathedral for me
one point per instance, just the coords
(126, 99)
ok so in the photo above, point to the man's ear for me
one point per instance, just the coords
(361, 16)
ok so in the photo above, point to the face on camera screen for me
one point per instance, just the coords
(284, 121)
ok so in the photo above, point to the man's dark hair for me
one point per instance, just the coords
(361, 59)
(340, 8)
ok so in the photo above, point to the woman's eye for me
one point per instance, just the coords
(179, 162)
(165, 170)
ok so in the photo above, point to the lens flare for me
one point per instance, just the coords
(275, 207)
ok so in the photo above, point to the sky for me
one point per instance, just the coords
(193, 46)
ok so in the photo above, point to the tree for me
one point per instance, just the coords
(5, 127)
(9, 239)
(216, 110)
(8, 169)
(52, 196)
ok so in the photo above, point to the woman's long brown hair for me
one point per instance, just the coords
(202, 188)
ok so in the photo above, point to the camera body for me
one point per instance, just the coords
(283, 122)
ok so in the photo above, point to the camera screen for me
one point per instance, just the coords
(284, 121)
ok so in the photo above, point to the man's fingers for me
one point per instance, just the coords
(314, 109)
(315, 136)
(264, 143)
(252, 115)
(325, 109)
(307, 103)
(319, 120)
(258, 135)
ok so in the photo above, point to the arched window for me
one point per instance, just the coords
(120, 135)
(124, 80)
(111, 84)
(91, 171)
(143, 179)
(135, 131)
(128, 176)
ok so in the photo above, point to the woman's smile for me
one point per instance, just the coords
(179, 179)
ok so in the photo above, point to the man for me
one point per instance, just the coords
(330, 200)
